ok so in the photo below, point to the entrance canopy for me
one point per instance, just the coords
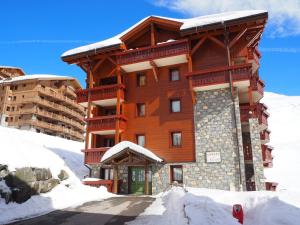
(127, 152)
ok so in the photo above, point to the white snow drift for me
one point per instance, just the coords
(24, 148)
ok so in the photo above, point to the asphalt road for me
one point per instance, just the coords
(112, 211)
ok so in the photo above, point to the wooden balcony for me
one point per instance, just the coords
(257, 88)
(97, 183)
(104, 95)
(267, 155)
(94, 155)
(265, 136)
(258, 110)
(165, 54)
(106, 124)
(217, 78)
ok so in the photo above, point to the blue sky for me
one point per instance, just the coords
(35, 33)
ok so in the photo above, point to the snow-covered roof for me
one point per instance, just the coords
(124, 145)
(186, 24)
(39, 77)
(11, 67)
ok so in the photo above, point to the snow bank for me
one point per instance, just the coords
(24, 148)
(284, 123)
(214, 207)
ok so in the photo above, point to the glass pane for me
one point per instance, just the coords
(174, 75)
(177, 174)
(141, 109)
(175, 106)
(141, 79)
(176, 138)
(141, 140)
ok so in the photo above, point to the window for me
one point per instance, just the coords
(7, 108)
(176, 174)
(141, 79)
(176, 139)
(24, 85)
(141, 109)
(175, 105)
(14, 98)
(140, 140)
(174, 74)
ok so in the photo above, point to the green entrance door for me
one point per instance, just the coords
(137, 180)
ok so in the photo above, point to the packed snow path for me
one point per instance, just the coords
(112, 211)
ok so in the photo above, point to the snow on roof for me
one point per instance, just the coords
(186, 24)
(134, 147)
(39, 77)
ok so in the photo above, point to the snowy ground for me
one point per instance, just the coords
(24, 148)
(214, 207)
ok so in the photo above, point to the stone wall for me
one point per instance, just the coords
(216, 130)
(257, 154)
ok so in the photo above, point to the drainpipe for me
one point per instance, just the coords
(234, 109)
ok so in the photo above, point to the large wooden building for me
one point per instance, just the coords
(189, 91)
(42, 103)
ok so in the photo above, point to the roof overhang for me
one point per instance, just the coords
(124, 150)
(224, 24)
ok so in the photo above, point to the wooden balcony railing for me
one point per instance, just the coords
(257, 85)
(220, 75)
(100, 93)
(53, 94)
(102, 123)
(256, 111)
(97, 183)
(150, 53)
(267, 155)
(265, 135)
(94, 155)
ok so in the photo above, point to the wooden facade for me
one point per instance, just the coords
(218, 55)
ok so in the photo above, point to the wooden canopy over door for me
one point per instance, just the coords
(129, 157)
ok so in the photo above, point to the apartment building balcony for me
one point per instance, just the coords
(105, 125)
(53, 106)
(165, 54)
(257, 86)
(265, 136)
(258, 110)
(59, 97)
(216, 78)
(103, 95)
(94, 155)
(57, 129)
(267, 155)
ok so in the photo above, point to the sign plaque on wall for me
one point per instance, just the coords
(213, 157)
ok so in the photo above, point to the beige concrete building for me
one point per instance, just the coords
(42, 103)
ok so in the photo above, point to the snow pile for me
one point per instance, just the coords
(284, 123)
(132, 146)
(24, 148)
(214, 207)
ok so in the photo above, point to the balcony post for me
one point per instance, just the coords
(115, 175)
(89, 105)
(118, 109)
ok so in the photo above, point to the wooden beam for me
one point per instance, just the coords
(112, 72)
(99, 63)
(237, 37)
(153, 34)
(118, 109)
(254, 38)
(200, 42)
(89, 105)
(218, 42)
(146, 179)
(154, 69)
(83, 67)
(115, 175)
